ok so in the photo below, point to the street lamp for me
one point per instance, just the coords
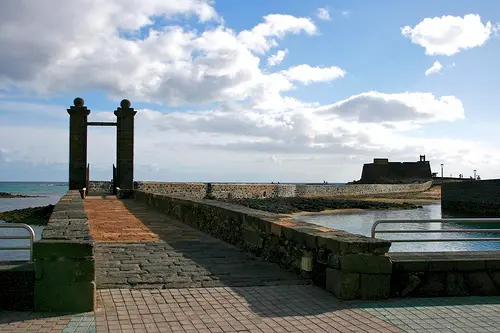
(475, 173)
(442, 171)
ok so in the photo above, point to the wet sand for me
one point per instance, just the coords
(429, 197)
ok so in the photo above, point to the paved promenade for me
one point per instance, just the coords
(155, 274)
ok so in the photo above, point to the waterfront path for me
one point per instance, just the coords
(156, 274)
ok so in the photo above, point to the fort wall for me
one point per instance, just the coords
(395, 171)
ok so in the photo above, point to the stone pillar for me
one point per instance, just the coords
(125, 145)
(78, 144)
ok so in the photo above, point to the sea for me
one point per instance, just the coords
(355, 222)
(46, 193)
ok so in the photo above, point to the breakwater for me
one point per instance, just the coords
(246, 190)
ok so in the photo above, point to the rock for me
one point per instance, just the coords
(300, 204)
(30, 216)
(413, 282)
(5, 195)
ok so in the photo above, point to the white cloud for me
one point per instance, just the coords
(170, 64)
(435, 68)
(307, 74)
(448, 35)
(261, 38)
(277, 58)
(237, 106)
(323, 14)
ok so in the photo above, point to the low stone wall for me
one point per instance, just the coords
(445, 274)
(16, 286)
(359, 189)
(351, 266)
(64, 260)
(100, 186)
(474, 197)
(191, 190)
(232, 191)
(241, 190)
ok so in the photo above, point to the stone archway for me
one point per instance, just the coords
(78, 114)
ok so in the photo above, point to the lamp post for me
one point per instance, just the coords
(442, 171)
(475, 174)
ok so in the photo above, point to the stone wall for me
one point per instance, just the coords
(474, 197)
(192, 190)
(228, 191)
(17, 281)
(445, 274)
(100, 186)
(351, 266)
(64, 260)
(241, 190)
(358, 189)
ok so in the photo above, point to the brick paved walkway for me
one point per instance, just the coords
(183, 258)
(110, 221)
(261, 309)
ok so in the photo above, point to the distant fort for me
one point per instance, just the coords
(381, 171)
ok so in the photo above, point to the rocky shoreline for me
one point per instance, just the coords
(295, 205)
(7, 195)
(30, 216)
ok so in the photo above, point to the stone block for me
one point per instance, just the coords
(443, 266)
(251, 237)
(365, 263)
(433, 284)
(329, 241)
(334, 260)
(374, 286)
(481, 284)
(44, 249)
(304, 236)
(65, 270)
(353, 245)
(411, 266)
(455, 284)
(492, 264)
(471, 265)
(495, 276)
(65, 296)
(342, 285)
(276, 229)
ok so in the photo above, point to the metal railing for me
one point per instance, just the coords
(31, 237)
(430, 231)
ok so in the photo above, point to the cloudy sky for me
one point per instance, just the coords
(261, 90)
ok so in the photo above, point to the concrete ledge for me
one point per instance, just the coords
(341, 262)
(64, 260)
(16, 281)
(445, 274)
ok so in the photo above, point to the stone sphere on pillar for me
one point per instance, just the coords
(78, 101)
(125, 104)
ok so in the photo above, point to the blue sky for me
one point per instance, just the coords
(354, 80)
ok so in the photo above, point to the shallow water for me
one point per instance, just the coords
(361, 223)
(49, 193)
